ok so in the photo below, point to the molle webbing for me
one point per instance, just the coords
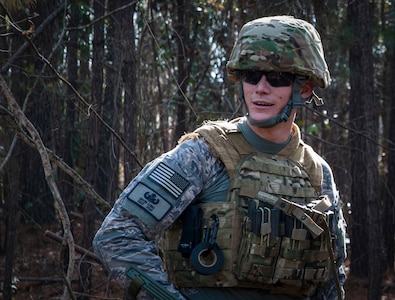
(263, 247)
(281, 244)
(228, 143)
(296, 177)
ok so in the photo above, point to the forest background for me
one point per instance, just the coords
(91, 90)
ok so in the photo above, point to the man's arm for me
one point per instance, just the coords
(338, 228)
(126, 238)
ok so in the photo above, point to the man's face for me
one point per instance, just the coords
(263, 100)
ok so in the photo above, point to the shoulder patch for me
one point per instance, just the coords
(169, 179)
(156, 194)
(150, 201)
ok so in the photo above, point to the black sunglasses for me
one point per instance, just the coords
(276, 79)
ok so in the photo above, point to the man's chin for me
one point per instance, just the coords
(258, 119)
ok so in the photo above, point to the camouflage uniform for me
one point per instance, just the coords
(123, 240)
(190, 173)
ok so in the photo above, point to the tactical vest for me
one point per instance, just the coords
(267, 232)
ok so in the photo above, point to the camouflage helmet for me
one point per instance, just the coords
(281, 43)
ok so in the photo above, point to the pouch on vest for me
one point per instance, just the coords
(191, 230)
(276, 249)
(263, 247)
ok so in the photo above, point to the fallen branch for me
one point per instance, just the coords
(25, 123)
(77, 248)
(79, 181)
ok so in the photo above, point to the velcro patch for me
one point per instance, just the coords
(150, 201)
(169, 179)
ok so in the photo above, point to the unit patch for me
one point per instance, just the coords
(150, 201)
(156, 194)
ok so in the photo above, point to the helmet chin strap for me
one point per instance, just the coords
(296, 101)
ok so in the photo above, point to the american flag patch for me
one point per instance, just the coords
(169, 179)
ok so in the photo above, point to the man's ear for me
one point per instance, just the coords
(306, 89)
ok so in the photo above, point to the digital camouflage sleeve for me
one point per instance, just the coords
(328, 291)
(124, 240)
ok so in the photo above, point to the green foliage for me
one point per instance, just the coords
(313, 129)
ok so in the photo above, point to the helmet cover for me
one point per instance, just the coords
(283, 44)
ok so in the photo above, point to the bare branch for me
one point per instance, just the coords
(78, 248)
(8, 156)
(81, 182)
(49, 175)
(29, 40)
(87, 104)
(36, 33)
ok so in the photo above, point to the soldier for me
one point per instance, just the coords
(240, 209)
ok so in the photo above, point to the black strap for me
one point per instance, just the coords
(332, 258)
(191, 230)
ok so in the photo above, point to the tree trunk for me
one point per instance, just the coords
(92, 168)
(112, 106)
(108, 156)
(389, 217)
(66, 111)
(37, 201)
(11, 202)
(182, 40)
(125, 49)
(366, 205)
